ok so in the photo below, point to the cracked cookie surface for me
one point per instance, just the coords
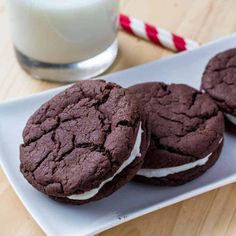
(186, 125)
(80, 138)
(219, 80)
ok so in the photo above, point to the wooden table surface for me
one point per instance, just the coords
(213, 213)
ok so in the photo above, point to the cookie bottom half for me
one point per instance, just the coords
(184, 176)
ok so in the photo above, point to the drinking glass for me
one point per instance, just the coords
(64, 40)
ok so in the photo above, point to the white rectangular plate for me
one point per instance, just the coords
(134, 199)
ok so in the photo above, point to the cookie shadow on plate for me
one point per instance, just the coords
(229, 127)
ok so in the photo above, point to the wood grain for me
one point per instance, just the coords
(213, 213)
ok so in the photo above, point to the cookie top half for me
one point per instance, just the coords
(80, 138)
(219, 80)
(186, 125)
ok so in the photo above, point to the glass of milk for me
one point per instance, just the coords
(64, 40)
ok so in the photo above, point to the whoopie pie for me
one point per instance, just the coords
(219, 81)
(186, 132)
(84, 143)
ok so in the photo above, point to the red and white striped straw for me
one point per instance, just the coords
(157, 35)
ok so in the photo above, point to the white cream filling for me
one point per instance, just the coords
(231, 118)
(134, 154)
(162, 172)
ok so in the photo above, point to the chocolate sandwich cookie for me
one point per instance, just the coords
(84, 143)
(186, 132)
(219, 81)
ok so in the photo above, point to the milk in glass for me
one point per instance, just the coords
(59, 33)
